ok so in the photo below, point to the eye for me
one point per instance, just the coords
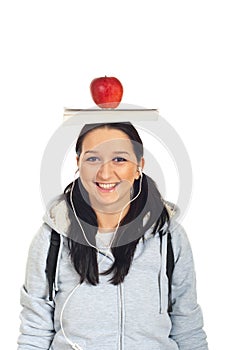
(92, 159)
(119, 160)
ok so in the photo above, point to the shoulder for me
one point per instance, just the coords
(180, 242)
(42, 237)
(40, 243)
(179, 238)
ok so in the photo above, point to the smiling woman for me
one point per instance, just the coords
(108, 168)
(113, 289)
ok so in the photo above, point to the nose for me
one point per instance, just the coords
(105, 171)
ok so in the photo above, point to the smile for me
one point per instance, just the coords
(105, 186)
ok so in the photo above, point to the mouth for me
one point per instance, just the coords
(106, 187)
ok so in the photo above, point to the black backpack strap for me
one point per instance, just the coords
(170, 268)
(51, 261)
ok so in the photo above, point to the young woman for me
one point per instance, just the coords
(111, 288)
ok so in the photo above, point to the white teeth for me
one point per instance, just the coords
(106, 186)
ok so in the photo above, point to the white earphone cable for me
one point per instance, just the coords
(74, 345)
(120, 217)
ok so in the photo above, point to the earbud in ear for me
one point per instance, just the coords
(140, 170)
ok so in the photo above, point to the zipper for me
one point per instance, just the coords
(121, 318)
(121, 309)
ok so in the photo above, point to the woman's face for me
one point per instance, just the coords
(108, 168)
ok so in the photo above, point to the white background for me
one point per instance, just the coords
(173, 55)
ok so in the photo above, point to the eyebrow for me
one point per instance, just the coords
(121, 152)
(95, 152)
(116, 152)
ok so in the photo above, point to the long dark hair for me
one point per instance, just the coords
(149, 204)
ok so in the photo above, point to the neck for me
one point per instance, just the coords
(108, 222)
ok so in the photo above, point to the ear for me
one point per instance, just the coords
(77, 160)
(141, 165)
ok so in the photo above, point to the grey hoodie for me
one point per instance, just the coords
(129, 316)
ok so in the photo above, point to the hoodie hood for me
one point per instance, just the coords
(58, 218)
(172, 209)
(57, 215)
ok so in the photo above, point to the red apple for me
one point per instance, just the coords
(106, 92)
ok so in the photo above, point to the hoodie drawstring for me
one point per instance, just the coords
(163, 285)
(58, 261)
